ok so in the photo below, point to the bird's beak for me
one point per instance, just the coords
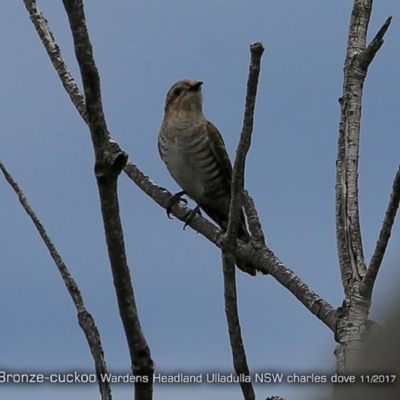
(196, 86)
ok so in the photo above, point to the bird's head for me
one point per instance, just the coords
(184, 97)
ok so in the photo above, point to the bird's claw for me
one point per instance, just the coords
(177, 197)
(190, 216)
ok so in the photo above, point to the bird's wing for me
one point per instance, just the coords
(220, 153)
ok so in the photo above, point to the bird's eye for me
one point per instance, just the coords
(178, 91)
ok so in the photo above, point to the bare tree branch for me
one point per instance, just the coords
(230, 242)
(352, 318)
(368, 282)
(54, 53)
(107, 168)
(368, 55)
(234, 330)
(85, 319)
(89, 73)
(358, 59)
(257, 234)
(288, 279)
(236, 205)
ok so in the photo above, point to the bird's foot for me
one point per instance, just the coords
(191, 214)
(177, 197)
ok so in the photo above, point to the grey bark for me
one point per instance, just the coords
(352, 317)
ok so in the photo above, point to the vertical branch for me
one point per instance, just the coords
(234, 330)
(350, 251)
(109, 163)
(236, 205)
(229, 248)
(358, 59)
(85, 319)
(352, 318)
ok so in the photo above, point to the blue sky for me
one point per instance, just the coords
(141, 49)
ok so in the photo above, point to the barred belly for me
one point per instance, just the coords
(192, 163)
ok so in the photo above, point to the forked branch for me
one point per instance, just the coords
(358, 59)
(352, 318)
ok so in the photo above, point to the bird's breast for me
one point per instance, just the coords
(190, 160)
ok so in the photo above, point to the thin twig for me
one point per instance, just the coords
(236, 205)
(107, 170)
(257, 234)
(367, 284)
(243, 147)
(54, 53)
(85, 319)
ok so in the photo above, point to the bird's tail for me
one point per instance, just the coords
(244, 235)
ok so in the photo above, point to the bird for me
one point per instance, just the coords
(194, 153)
